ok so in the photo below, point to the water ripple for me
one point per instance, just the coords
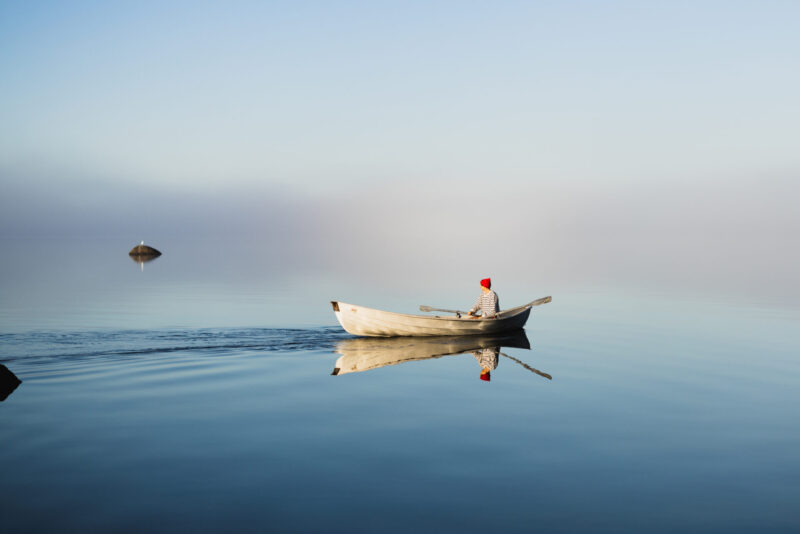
(43, 347)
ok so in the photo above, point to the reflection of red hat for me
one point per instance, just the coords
(486, 376)
(487, 283)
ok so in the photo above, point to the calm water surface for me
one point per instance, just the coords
(179, 397)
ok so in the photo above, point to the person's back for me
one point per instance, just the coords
(488, 301)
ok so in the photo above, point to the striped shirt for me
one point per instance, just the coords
(488, 303)
(488, 357)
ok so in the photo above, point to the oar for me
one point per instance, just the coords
(430, 309)
(528, 367)
(537, 302)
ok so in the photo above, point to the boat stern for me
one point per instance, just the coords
(336, 312)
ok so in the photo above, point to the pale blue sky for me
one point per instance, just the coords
(315, 93)
(364, 125)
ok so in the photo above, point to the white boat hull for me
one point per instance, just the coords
(362, 321)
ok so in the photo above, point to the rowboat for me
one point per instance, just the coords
(363, 321)
(362, 354)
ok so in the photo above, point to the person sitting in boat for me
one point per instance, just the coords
(488, 359)
(488, 302)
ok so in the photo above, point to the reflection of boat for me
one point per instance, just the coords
(361, 321)
(362, 354)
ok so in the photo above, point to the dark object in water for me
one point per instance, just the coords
(8, 382)
(143, 251)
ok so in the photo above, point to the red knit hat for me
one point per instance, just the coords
(486, 376)
(487, 283)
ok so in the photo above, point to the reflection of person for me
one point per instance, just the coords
(488, 302)
(488, 359)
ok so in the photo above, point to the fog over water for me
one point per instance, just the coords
(735, 237)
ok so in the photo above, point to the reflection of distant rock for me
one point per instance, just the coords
(143, 259)
(8, 382)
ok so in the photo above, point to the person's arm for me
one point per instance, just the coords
(476, 307)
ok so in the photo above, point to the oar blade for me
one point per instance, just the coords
(539, 302)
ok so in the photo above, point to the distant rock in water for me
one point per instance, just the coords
(143, 251)
(8, 382)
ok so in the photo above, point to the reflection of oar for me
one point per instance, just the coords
(430, 309)
(528, 367)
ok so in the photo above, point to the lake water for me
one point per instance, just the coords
(195, 392)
